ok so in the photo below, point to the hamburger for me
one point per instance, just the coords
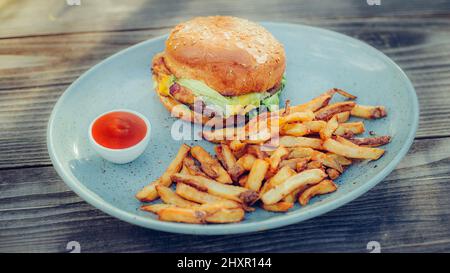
(219, 68)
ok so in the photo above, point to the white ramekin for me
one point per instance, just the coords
(126, 155)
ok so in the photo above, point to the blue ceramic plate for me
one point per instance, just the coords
(317, 60)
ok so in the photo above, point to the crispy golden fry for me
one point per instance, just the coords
(182, 215)
(346, 142)
(175, 165)
(155, 208)
(170, 197)
(291, 163)
(281, 176)
(314, 104)
(278, 207)
(326, 186)
(210, 165)
(343, 117)
(329, 129)
(308, 177)
(342, 160)
(297, 117)
(314, 165)
(184, 170)
(226, 216)
(291, 141)
(315, 126)
(277, 156)
(192, 167)
(350, 128)
(301, 152)
(352, 151)
(237, 147)
(231, 192)
(329, 111)
(243, 180)
(246, 161)
(294, 129)
(368, 112)
(149, 193)
(227, 133)
(192, 194)
(256, 151)
(224, 154)
(292, 197)
(302, 164)
(332, 173)
(342, 93)
(371, 141)
(326, 160)
(257, 174)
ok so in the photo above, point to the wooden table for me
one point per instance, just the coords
(46, 45)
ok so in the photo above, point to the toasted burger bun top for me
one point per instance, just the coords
(231, 55)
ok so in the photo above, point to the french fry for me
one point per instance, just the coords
(237, 147)
(346, 142)
(314, 104)
(343, 93)
(182, 215)
(191, 167)
(246, 161)
(329, 129)
(336, 147)
(294, 129)
(282, 175)
(291, 141)
(332, 173)
(231, 192)
(257, 174)
(350, 127)
(291, 163)
(301, 165)
(292, 197)
(170, 197)
(301, 152)
(343, 117)
(326, 186)
(368, 112)
(371, 141)
(297, 117)
(184, 170)
(315, 126)
(308, 177)
(278, 207)
(226, 216)
(243, 180)
(155, 208)
(256, 151)
(314, 165)
(194, 195)
(149, 193)
(343, 161)
(224, 154)
(210, 165)
(276, 157)
(332, 109)
(326, 160)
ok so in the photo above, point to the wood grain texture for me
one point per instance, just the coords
(25, 17)
(34, 71)
(409, 211)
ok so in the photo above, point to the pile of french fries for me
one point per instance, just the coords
(275, 166)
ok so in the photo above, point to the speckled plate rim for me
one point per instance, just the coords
(280, 220)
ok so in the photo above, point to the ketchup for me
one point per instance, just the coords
(119, 130)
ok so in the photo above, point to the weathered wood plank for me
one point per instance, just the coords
(34, 71)
(409, 211)
(20, 18)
